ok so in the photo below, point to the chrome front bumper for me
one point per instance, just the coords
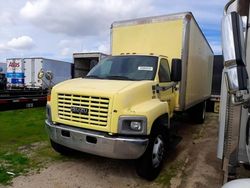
(96, 142)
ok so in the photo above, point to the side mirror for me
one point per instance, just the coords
(176, 70)
(234, 52)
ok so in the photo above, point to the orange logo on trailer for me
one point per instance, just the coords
(14, 64)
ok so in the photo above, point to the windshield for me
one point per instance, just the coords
(125, 68)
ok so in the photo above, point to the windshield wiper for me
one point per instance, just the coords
(116, 77)
(93, 76)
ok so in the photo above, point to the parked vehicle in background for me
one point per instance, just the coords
(15, 73)
(30, 73)
(28, 81)
(84, 62)
(123, 107)
(234, 130)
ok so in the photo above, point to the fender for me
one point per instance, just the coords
(152, 109)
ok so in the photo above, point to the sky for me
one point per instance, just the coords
(56, 29)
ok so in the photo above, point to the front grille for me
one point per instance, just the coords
(97, 107)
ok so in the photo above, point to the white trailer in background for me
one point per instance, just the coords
(23, 72)
(15, 73)
(84, 62)
(33, 66)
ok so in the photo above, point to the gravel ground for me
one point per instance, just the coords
(193, 164)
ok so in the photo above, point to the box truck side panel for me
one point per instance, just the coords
(160, 38)
(199, 67)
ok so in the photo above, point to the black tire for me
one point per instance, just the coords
(149, 165)
(61, 149)
(198, 112)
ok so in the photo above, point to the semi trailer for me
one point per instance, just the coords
(30, 73)
(122, 109)
(27, 81)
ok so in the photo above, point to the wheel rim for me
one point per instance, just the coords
(203, 112)
(158, 151)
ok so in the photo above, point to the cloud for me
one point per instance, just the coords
(66, 52)
(6, 18)
(82, 17)
(19, 43)
(4, 48)
(104, 48)
(34, 9)
(23, 42)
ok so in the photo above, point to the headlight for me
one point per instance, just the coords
(135, 125)
(48, 113)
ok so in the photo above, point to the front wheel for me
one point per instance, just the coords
(150, 163)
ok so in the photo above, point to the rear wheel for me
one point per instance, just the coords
(198, 112)
(150, 163)
(61, 149)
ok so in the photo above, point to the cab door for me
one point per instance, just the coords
(166, 92)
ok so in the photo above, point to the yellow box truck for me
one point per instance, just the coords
(122, 108)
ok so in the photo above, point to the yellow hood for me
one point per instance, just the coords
(92, 86)
(105, 100)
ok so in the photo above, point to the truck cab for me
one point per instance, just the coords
(125, 98)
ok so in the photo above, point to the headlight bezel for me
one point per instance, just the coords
(125, 123)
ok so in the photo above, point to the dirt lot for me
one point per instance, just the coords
(193, 164)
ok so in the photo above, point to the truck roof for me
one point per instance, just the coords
(150, 19)
(161, 18)
(134, 54)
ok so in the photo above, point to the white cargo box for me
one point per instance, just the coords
(84, 62)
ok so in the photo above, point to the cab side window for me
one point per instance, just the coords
(164, 71)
